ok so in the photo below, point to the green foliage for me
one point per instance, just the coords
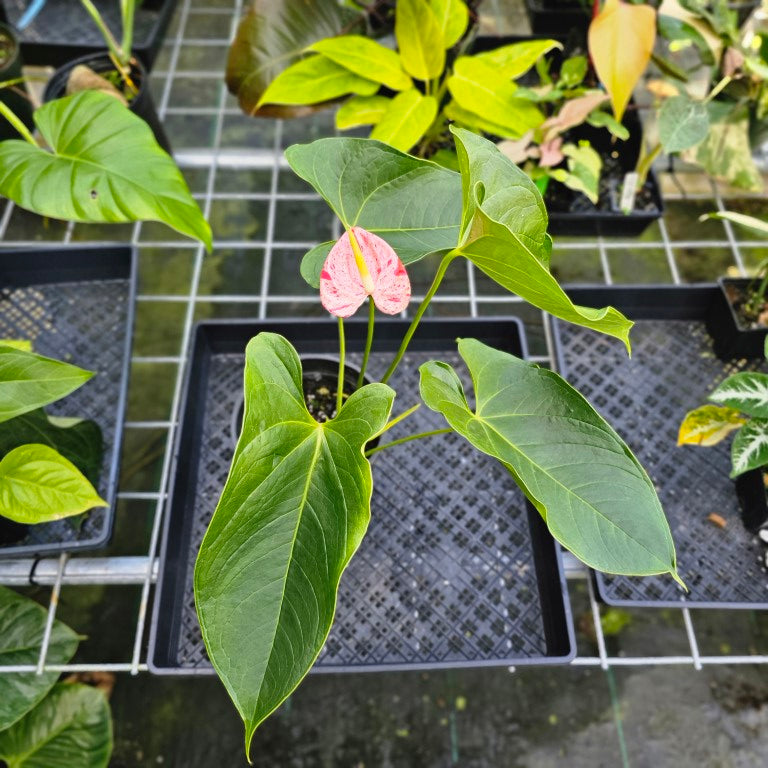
(420, 39)
(104, 165)
(683, 123)
(563, 455)
(22, 626)
(406, 120)
(583, 174)
(293, 512)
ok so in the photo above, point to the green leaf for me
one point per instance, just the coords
(406, 120)
(600, 119)
(361, 110)
(592, 492)
(415, 205)
(22, 626)
(77, 440)
(512, 61)
(274, 34)
(750, 447)
(294, 510)
(312, 263)
(750, 222)
(466, 119)
(366, 58)
(478, 87)
(683, 123)
(504, 226)
(419, 39)
(453, 18)
(315, 80)
(709, 425)
(70, 727)
(25, 345)
(573, 71)
(37, 485)
(104, 166)
(746, 391)
(29, 381)
(584, 166)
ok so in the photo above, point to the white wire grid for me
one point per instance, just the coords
(216, 159)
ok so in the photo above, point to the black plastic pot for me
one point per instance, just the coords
(732, 338)
(75, 304)
(455, 570)
(142, 104)
(672, 370)
(63, 30)
(14, 97)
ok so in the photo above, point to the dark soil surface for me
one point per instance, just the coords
(7, 49)
(751, 312)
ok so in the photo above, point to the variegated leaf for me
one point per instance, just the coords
(750, 447)
(709, 425)
(747, 391)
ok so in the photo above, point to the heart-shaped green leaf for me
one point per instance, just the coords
(572, 466)
(37, 485)
(504, 233)
(71, 727)
(415, 205)
(22, 626)
(29, 381)
(294, 510)
(104, 166)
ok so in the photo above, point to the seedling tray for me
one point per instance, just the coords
(673, 369)
(63, 30)
(75, 304)
(455, 570)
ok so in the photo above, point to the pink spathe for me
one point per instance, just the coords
(343, 288)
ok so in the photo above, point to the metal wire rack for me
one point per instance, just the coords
(236, 145)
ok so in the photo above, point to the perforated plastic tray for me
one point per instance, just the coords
(63, 30)
(672, 370)
(455, 570)
(76, 304)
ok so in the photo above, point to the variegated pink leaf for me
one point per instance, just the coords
(345, 283)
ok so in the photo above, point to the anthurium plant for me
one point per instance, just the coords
(296, 504)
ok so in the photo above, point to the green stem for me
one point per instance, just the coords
(719, 87)
(342, 352)
(127, 11)
(10, 116)
(644, 165)
(109, 39)
(407, 439)
(444, 264)
(398, 419)
(368, 342)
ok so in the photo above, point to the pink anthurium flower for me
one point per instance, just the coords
(359, 265)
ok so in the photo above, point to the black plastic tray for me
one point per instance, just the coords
(558, 19)
(63, 30)
(454, 571)
(76, 304)
(673, 369)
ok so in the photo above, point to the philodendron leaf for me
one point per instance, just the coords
(453, 18)
(512, 61)
(104, 166)
(746, 391)
(71, 727)
(361, 110)
(406, 120)
(683, 123)
(592, 492)
(415, 205)
(22, 626)
(504, 234)
(29, 381)
(37, 485)
(294, 510)
(272, 35)
(420, 39)
(750, 447)
(709, 425)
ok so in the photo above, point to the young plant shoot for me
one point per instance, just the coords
(296, 504)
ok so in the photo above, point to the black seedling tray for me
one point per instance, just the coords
(63, 30)
(673, 369)
(455, 570)
(76, 305)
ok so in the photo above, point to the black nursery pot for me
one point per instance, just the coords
(15, 97)
(142, 105)
(731, 337)
(11, 532)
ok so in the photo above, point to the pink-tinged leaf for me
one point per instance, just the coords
(345, 283)
(551, 154)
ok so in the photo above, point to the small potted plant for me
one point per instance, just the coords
(296, 503)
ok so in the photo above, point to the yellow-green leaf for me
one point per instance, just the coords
(314, 80)
(366, 58)
(512, 61)
(453, 17)
(405, 121)
(361, 110)
(621, 39)
(419, 39)
(709, 425)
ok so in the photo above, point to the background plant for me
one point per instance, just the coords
(296, 504)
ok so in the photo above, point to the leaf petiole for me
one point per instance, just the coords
(342, 351)
(407, 439)
(398, 419)
(368, 342)
(11, 117)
